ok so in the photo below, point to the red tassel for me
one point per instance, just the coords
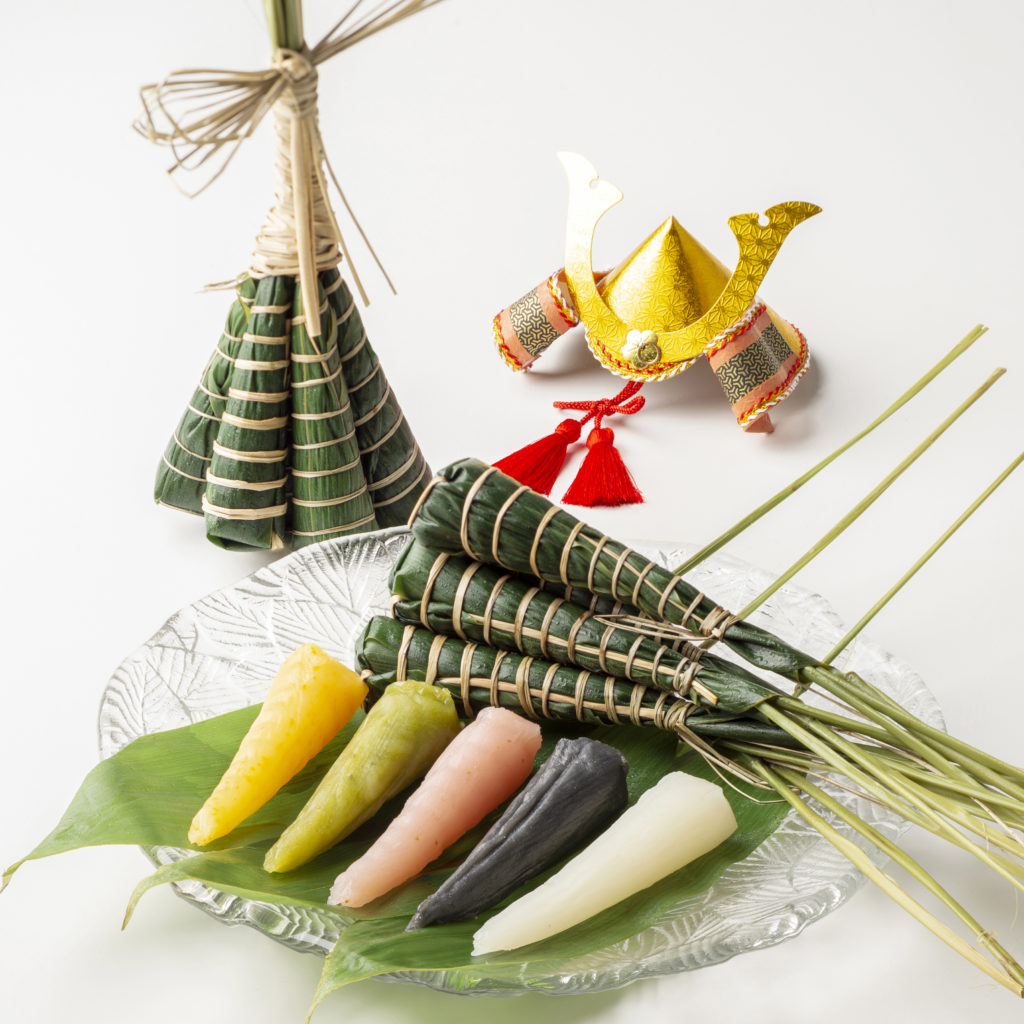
(538, 464)
(603, 478)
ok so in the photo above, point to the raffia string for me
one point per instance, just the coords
(203, 115)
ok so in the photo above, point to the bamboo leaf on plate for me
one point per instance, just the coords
(148, 792)
(372, 947)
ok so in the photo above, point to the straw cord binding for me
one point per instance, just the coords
(679, 677)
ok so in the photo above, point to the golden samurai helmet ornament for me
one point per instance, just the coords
(651, 317)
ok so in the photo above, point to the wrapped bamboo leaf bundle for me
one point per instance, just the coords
(596, 603)
(393, 465)
(454, 595)
(479, 676)
(244, 498)
(328, 485)
(293, 434)
(181, 478)
(471, 508)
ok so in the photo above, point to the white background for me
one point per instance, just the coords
(901, 119)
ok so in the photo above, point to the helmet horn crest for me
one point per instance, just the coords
(633, 350)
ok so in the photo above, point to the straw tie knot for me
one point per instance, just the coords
(203, 115)
(300, 77)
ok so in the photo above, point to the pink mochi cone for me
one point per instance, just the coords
(484, 765)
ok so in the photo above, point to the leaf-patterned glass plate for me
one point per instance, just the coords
(219, 653)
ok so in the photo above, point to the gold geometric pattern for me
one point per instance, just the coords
(671, 285)
(656, 286)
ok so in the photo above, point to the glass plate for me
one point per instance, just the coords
(219, 653)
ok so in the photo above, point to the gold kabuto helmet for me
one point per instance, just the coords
(666, 305)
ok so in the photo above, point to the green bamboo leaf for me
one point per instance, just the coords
(373, 947)
(244, 500)
(329, 493)
(148, 792)
(395, 469)
(240, 872)
(181, 475)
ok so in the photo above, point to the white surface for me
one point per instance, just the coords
(901, 120)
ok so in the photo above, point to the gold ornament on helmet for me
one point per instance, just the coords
(666, 305)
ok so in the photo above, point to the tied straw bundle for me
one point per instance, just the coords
(506, 599)
(293, 432)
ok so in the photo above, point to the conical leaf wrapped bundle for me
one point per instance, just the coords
(474, 509)
(395, 469)
(244, 501)
(294, 433)
(291, 438)
(329, 493)
(478, 676)
(181, 476)
(453, 594)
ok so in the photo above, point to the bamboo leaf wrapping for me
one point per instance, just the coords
(290, 438)
(244, 501)
(452, 594)
(353, 450)
(479, 676)
(329, 493)
(596, 603)
(474, 509)
(395, 469)
(181, 476)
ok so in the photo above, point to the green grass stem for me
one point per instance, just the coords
(1001, 806)
(864, 768)
(709, 549)
(905, 730)
(990, 830)
(927, 813)
(912, 571)
(987, 767)
(284, 22)
(870, 498)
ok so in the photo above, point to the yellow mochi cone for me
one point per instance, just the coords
(310, 700)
